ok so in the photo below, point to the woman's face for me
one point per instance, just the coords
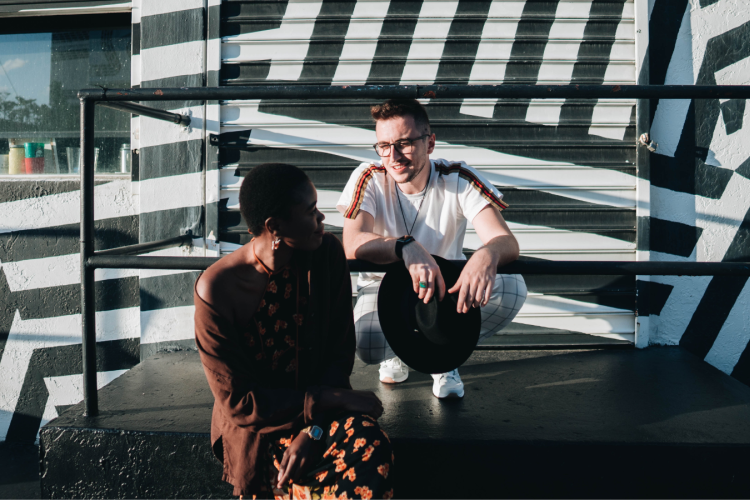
(303, 228)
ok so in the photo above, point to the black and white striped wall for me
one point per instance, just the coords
(699, 181)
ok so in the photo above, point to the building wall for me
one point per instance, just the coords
(700, 179)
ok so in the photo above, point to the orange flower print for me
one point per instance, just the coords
(340, 465)
(393, 457)
(259, 356)
(269, 342)
(334, 428)
(292, 366)
(262, 304)
(321, 475)
(288, 290)
(280, 325)
(261, 330)
(339, 454)
(376, 442)
(368, 453)
(363, 492)
(285, 273)
(301, 492)
(359, 443)
(330, 450)
(383, 470)
(388, 494)
(386, 435)
(348, 435)
(350, 475)
(327, 494)
(370, 417)
(298, 318)
(277, 355)
(271, 287)
(289, 340)
(273, 308)
(365, 423)
(286, 442)
(251, 341)
(276, 464)
(343, 496)
(349, 422)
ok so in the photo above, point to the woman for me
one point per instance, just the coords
(274, 327)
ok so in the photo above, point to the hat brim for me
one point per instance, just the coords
(396, 311)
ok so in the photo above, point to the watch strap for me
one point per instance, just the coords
(401, 243)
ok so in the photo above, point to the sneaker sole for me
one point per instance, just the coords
(452, 395)
(389, 380)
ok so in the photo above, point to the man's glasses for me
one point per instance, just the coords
(403, 146)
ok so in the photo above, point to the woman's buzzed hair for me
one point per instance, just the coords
(393, 108)
(269, 190)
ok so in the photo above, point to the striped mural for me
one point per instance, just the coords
(699, 182)
(566, 167)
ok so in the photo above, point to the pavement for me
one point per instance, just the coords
(19, 470)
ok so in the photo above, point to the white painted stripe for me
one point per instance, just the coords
(153, 8)
(424, 58)
(157, 133)
(135, 69)
(611, 120)
(734, 335)
(361, 42)
(166, 193)
(135, 17)
(62, 11)
(27, 335)
(550, 311)
(113, 199)
(172, 60)
(163, 325)
(213, 57)
(730, 151)
(68, 390)
(679, 308)
(197, 250)
(54, 271)
(488, 50)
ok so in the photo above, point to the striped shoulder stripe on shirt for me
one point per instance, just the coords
(467, 174)
(359, 190)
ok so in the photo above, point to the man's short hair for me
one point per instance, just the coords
(393, 108)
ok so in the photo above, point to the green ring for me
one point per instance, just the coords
(422, 284)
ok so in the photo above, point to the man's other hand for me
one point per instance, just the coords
(422, 267)
(477, 279)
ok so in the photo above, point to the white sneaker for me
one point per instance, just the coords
(393, 371)
(447, 385)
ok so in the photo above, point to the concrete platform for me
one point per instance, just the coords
(596, 423)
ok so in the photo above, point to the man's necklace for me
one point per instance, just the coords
(427, 186)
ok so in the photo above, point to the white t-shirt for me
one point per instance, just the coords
(456, 193)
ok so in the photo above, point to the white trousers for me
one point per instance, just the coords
(508, 295)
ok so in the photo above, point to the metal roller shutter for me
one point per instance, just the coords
(567, 168)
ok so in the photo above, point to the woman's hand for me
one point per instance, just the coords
(300, 455)
(365, 402)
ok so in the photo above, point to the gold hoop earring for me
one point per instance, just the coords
(275, 244)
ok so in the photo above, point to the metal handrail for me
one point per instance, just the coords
(90, 261)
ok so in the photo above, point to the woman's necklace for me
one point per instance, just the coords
(427, 186)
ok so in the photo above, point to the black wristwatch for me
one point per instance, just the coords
(401, 243)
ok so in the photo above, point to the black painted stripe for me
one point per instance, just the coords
(462, 42)
(241, 17)
(176, 158)
(674, 238)
(165, 224)
(164, 292)
(741, 370)
(719, 298)
(526, 58)
(61, 361)
(16, 190)
(657, 295)
(214, 22)
(65, 240)
(172, 28)
(136, 39)
(331, 25)
(394, 42)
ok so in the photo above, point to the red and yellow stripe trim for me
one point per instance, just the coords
(359, 190)
(467, 174)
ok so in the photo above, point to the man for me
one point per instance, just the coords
(409, 207)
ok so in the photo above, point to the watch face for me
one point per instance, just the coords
(316, 432)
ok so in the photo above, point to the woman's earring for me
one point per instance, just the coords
(275, 244)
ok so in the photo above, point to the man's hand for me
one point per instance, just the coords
(298, 457)
(477, 279)
(422, 267)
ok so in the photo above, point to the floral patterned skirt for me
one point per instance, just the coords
(357, 463)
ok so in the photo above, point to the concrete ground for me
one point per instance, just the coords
(19, 471)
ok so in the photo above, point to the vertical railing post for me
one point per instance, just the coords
(88, 298)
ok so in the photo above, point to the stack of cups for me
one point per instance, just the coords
(16, 160)
(34, 157)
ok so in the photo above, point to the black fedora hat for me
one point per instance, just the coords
(433, 337)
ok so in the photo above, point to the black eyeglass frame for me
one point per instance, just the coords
(395, 144)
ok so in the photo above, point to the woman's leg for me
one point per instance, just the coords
(508, 295)
(357, 462)
(372, 348)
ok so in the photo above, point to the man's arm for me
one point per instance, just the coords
(361, 243)
(477, 279)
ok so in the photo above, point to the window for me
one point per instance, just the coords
(44, 62)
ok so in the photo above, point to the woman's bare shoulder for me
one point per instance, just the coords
(217, 282)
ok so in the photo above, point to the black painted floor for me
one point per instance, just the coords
(19, 471)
